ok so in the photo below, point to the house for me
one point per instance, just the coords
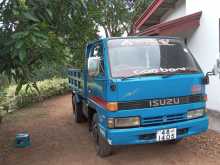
(198, 23)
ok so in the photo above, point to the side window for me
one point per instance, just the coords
(98, 52)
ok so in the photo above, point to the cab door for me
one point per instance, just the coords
(96, 84)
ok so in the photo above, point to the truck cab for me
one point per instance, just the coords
(139, 90)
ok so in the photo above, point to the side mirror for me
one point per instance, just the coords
(215, 71)
(206, 79)
(93, 66)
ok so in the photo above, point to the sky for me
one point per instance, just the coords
(102, 33)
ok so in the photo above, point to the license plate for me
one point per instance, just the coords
(166, 134)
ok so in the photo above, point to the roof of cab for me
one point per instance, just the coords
(134, 37)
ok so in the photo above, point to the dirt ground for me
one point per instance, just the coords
(57, 140)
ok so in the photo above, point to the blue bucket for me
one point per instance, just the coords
(22, 140)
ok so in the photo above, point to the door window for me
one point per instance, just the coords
(97, 51)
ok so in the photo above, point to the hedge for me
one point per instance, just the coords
(48, 88)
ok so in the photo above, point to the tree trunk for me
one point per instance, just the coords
(106, 31)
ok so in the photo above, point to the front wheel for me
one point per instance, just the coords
(77, 110)
(103, 149)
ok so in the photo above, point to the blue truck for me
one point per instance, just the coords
(139, 90)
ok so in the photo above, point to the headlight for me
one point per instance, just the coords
(123, 122)
(195, 113)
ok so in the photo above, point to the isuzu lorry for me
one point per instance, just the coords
(139, 90)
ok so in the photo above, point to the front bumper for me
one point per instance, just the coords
(137, 135)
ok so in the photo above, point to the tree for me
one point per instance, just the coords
(118, 16)
(114, 16)
(138, 7)
(36, 32)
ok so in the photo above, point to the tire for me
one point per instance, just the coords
(77, 110)
(103, 149)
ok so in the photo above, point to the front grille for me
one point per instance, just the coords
(159, 120)
(148, 103)
(132, 105)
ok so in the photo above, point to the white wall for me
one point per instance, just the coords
(178, 11)
(204, 43)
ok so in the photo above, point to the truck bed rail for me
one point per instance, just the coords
(75, 79)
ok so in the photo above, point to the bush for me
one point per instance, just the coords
(48, 71)
(3, 82)
(48, 88)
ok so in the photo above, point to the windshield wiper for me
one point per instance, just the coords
(140, 75)
(169, 75)
(125, 78)
(164, 74)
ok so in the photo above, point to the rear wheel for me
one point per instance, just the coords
(103, 149)
(77, 110)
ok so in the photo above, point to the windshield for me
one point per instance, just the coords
(147, 56)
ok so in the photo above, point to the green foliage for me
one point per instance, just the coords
(114, 16)
(117, 16)
(3, 82)
(83, 29)
(39, 32)
(27, 96)
(49, 71)
(139, 6)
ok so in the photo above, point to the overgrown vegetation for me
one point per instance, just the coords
(36, 33)
(51, 87)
